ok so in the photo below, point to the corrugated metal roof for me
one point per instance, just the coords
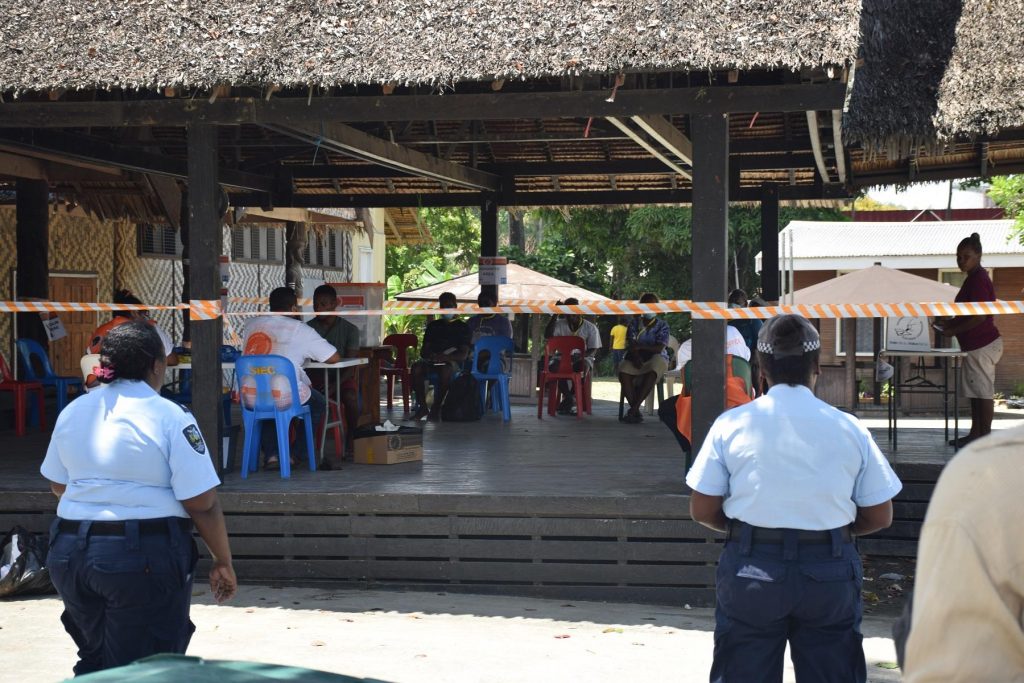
(827, 239)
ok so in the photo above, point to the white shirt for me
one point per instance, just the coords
(588, 332)
(295, 340)
(788, 460)
(734, 346)
(124, 452)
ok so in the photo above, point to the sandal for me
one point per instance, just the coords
(272, 463)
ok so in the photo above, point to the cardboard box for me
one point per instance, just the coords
(388, 448)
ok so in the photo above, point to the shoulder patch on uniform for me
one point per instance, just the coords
(195, 439)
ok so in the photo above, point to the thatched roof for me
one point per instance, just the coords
(932, 71)
(149, 44)
(982, 90)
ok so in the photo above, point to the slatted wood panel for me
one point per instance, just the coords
(909, 507)
(502, 544)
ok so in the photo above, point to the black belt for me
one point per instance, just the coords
(762, 535)
(147, 527)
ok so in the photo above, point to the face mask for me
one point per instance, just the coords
(447, 316)
(649, 316)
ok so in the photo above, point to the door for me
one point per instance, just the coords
(66, 353)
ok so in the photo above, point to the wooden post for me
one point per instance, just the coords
(876, 350)
(295, 237)
(710, 134)
(32, 202)
(850, 332)
(769, 242)
(205, 246)
(489, 236)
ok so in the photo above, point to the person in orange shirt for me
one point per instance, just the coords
(123, 296)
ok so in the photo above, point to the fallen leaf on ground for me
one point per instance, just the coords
(318, 643)
(887, 665)
(563, 635)
(612, 630)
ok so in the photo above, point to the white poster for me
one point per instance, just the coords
(54, 329)
(908, 334)
(493, 270)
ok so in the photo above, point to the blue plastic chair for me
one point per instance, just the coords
(497, 347)
(30, 350)
(261, 370)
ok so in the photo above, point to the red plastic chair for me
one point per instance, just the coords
(21, 390)
(549, 380)
(400, 365)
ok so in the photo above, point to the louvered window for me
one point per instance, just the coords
(158, 240)
(326, 249)
(265, 245)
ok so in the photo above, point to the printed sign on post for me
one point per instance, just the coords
(493, 270)
(907, 334)
(54, 329)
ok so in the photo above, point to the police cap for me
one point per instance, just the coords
(788, 335)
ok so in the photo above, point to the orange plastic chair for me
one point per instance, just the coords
(549, 379)
(400, 365)
(21, 390)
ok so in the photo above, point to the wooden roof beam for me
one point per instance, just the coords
(670, 137)
(73, 149)
(560, 198)
(344, 139)
(837, 137)
(819, 159)
(291, 111)
(640, 140)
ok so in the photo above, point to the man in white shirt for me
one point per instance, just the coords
(574, 326)
(286, 335)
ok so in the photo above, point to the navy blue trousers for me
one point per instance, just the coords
(805, 594)
(125, 597)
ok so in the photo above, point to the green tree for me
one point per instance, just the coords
(1008, 192)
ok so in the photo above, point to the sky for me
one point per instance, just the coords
(931, 196)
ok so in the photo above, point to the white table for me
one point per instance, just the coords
(340, 422)
(920, 384)
(343, 364)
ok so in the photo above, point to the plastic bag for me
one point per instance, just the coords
(23, 564)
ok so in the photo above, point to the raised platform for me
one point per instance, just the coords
(590, 509)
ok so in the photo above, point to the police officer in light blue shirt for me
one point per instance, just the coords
(132, 473)
(791, 480)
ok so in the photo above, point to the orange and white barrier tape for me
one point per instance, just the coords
(200, 309)
(77, 307)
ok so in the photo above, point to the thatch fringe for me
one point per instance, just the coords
(153, 44)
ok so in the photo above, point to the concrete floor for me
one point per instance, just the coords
(437, 637)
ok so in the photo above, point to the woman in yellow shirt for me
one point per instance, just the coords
(618, 335)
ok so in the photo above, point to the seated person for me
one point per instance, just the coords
(574, 326)
(748, 327)
(646, 359)
(488, 325)
(123, 296)
(445, 348)
(288, 336)
(343, 336)
(675, 411)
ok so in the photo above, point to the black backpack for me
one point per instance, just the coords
(462, 403)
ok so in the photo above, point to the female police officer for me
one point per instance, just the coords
(791, 480)
(130, 468)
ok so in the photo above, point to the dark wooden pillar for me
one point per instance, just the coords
(205, 247)
(489, 236)
(294, 255)
(33, 246)
(710, 134)
(769, 242)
